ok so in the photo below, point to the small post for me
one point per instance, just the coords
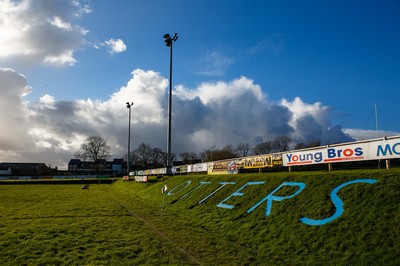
(387, 163)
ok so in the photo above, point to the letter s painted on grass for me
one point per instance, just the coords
(337, 202)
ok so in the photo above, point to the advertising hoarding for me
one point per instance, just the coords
(259, 161)
(222, 167)
(373, 150)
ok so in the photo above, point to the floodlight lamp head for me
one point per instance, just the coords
(167, 36)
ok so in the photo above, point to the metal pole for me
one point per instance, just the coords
(169, 42)
(128, 105)
(129, 142)
(376, 121)
(169, 163)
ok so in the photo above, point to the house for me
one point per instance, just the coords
(101, 166)
(117, 166)
(26, 168)
(78, 166)
(5, 170)
(73, 165)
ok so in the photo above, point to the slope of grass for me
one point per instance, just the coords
(367, 232)
(130, 223)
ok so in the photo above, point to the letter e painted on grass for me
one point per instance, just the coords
(238, 194)
(337, 202)
(270, 197)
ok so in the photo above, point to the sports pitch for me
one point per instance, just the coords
(129, 223)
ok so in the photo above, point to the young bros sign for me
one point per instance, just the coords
(270, 198)
(382, 149)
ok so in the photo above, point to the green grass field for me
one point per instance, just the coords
(130, 223)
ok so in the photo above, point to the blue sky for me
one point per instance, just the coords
(339, 58)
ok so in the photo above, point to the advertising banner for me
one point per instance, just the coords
(182, 169)
(385, 149)
(336, 154)
(277, 159)
(259, 161)
(142, 178)
(222, 167)
(199, 167)
(373, 150)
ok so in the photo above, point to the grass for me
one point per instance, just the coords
(62, 224)
(130, 223)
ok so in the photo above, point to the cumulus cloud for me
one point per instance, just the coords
(115, 46)
(212, 114)
(14, 112)
(312, 122)
(362, 134)
(45, 32)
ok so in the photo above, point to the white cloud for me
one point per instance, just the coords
(214, 63)
(359, 134)
(115, 46)
(217, 92)
(58, 22)
(14, 112)
(274, 43)
(41, 31)
(45, 32)
(213, 114)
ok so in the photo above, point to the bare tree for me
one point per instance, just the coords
(143, 154)
(228, 152)
(94, 148)
(207, 154)
(157, 157)
(302, 145)
(212, 154)
(243, 149)
(281, 143)
(193, 157)
(263, 148)
(173, 156)
(314, 143)
(185, 157)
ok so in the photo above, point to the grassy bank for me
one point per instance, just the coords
(134, 223)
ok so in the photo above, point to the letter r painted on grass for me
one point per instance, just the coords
(237, 193)
(270, 197)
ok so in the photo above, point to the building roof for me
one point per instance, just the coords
(74, 162)
(23, 165)
(118, 161)
(4, 167)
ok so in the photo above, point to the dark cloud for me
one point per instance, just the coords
(212, 115)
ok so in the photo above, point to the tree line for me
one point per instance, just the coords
(95, 148)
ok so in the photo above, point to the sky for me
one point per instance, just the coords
(243, 72)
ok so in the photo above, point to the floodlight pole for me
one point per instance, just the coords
(169, 41)
(128, 105)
